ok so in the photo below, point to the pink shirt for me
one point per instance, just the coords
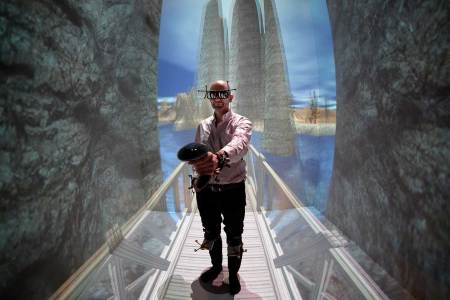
(231, 135)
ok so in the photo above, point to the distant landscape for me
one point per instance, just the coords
(167, 114)
(303, 115)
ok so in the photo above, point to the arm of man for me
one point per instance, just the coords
(206, 165)
(238, 146)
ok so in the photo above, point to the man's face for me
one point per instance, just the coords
(217, 96)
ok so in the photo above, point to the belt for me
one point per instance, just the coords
(225, 187)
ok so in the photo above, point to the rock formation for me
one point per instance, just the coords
(246, 61)
(166, 112)
(203, 107)
(79, 140)
(185, 108)
(213, 54)
(279, 134)
(391, 177)
(248, 72)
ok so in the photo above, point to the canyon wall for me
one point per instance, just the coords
(391, 177)
(79, 140)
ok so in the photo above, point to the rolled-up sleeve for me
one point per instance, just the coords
(238, 146)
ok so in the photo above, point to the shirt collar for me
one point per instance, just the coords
(226, 117)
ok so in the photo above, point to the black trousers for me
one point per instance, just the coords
(213, 203)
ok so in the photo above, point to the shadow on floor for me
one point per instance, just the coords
(197, 290)
(218, 290)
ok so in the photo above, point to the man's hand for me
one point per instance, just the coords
(206, 165)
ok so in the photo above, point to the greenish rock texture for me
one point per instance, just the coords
(391, 179)
(79, 145)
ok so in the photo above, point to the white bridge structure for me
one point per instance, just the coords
(290, 253)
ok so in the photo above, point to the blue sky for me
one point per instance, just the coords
(306, 36)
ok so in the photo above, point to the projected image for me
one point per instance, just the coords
(279, 57)
(315, 133)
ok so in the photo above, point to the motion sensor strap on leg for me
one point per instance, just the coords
(206, 245)
(236, 250)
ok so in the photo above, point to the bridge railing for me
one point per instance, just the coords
(134, 254)
(312, 258)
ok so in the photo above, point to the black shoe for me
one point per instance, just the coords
(235, 285)
(211, 274)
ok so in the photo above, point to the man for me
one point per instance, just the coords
(227, 136)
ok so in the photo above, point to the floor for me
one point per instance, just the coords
(256, 281)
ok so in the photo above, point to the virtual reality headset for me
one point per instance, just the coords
(211, 94)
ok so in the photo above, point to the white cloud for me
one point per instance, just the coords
(167, 99)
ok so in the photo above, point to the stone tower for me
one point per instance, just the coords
(279, 135)
(213, 54)
(246, 71)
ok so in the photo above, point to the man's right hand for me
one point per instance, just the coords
(206, 165)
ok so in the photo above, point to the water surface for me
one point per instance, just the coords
(307, 172)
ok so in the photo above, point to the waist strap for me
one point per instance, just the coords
(225, 187)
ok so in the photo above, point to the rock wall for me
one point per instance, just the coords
(78, 123)
(391, 178)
